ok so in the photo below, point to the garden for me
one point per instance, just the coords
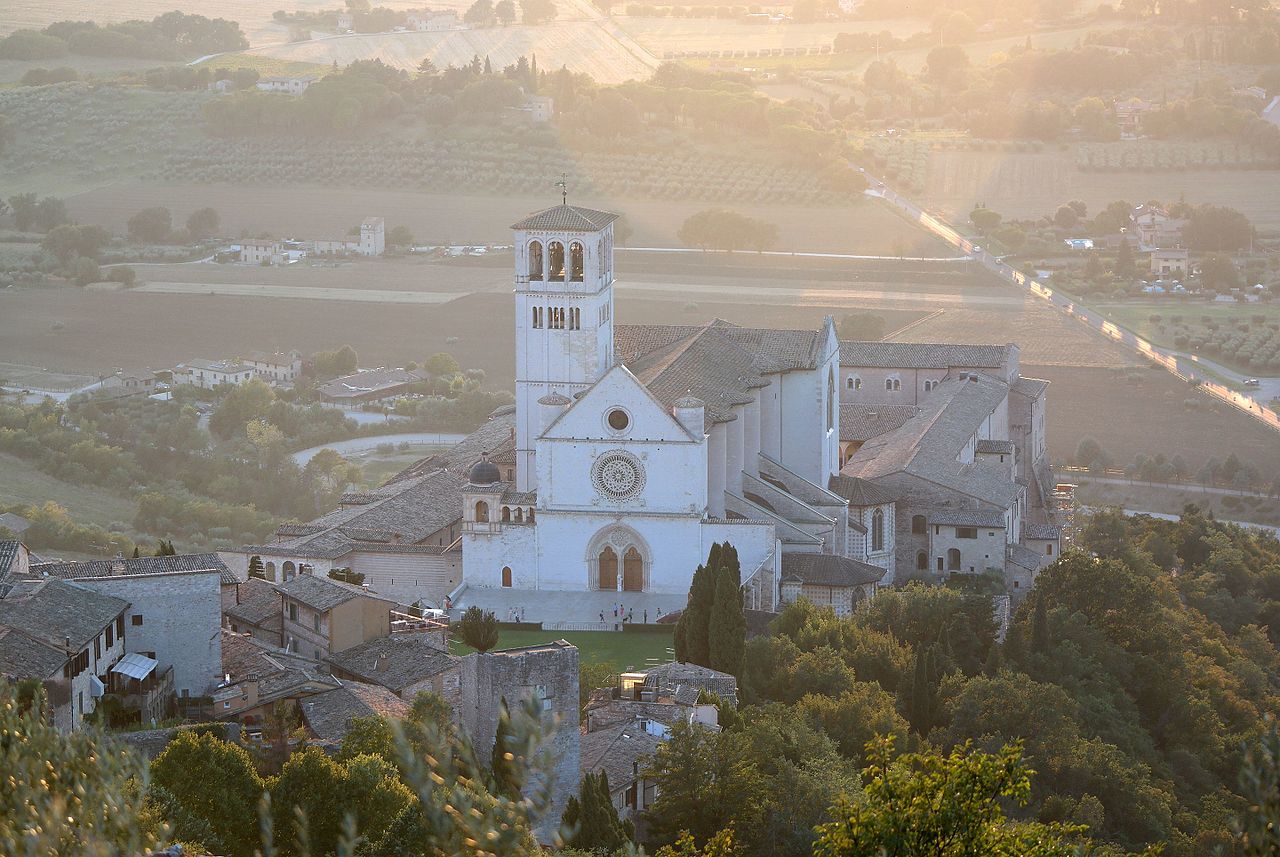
(1152, 155)
(1244, 337)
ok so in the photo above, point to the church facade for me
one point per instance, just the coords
(638, 447)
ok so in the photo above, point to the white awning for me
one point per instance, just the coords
(135, 665)
(96, 687)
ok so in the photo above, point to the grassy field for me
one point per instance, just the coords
(1154, 320)
(660, 35)
(623, 650)
(1147, 414)
(20, 482)
(1025, 184)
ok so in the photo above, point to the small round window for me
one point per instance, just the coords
(618, 419)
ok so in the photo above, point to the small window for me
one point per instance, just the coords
(1048, 549)
(315, 622)
(919, 526)
(618, 419)
(226, 704)
(97, 648)
(966, 532)
(293, 612)
(506, 576)
(136, 620)
(111, 636)
(120, 626)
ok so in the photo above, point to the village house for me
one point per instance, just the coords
(431, 21)
(405, 664)
(1171, 262)
(279, 367)
(370, 385)
(256, 611)
(257, 676)
(327, 715)
(289, 85)
(211, 374)
(1155, 228)
(345, 21)
(324, 616)
(261, 251)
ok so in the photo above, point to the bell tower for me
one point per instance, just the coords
(564, 315)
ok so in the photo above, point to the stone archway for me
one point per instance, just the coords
(618, 559)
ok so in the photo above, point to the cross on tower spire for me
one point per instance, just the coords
(563, 184)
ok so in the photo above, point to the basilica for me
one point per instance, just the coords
(833, 467)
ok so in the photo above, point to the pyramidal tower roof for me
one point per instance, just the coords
(566, 218)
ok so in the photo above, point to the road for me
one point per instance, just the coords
(1167, 517)
(1077, 476)
(367, 444)
(1187, 367)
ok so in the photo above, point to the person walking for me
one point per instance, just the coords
(646, 615)
(601, 617)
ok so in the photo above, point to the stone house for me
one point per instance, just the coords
(405, 664)
(257, 611)
(837, 582)
(327, 715)
(323, 616)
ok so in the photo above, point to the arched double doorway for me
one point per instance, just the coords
(618, 561)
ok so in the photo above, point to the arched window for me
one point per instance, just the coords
(530, 518)
(506, 576)
(922, 561)
(888, 383)
(831, 400)
(877, 530)
(632, 570)
(270, 571)
(482, 512)
(555, 253)
(919, 526)
(607, 578)
(953, 559)
(288, 570)
(535, 260)
(848, 383)
(519, 515)
(575, 262)
(506, 514)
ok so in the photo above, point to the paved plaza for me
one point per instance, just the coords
(569, 611)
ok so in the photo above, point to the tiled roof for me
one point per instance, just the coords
(861, 422)
(995, 447)
(718, 362)
(615, 749)
(15, 524)
(860, 492)
(1042, 531)
(396, 661)
(8, 553)
(671, 676)
(927, 447)
(827, 570)
(179, 564)
(25, 656)
(966, 517)
(54, 610)
(323, 593)
(257, 602)
(1023, 556)
(328, 715)
(921, 355)
(1032, 388)
(566, 218)
(370, 381)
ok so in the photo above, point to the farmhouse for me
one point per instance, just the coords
(261, 251)
(276, 367)
(632, 448)
(370, 385)
(434, 21)
(372, 241)
(1173, 261)
(291, 85)
(209, 374)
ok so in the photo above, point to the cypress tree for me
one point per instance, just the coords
(505, 780)
(923, 702)
(696, 617)
(992, 666)
(598, 827)
(727, 631)
(1040, 628)
(135, 552)
(255, 568)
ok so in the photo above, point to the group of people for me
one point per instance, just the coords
(515, 614)
(628, 614)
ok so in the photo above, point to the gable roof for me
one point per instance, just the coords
(397, 661)
(178, 564)
(57, 611)
(8, 553)
(921, 355)
(324, 593)
(861, 422)
(966, 517)
(615, 749)
(257, 601)
(1036, 530)
(566, 218)
(329, 714)
(994, 447)
(828, 570)
(23, 655)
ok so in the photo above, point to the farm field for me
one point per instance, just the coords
(1032, 184)
(660, 35)
(866, 227)
(21, 482)
(581, 46)
(621, 649)
(1128, 416)
(1245, 334)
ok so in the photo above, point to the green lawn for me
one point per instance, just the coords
(21, 482)
(623, 650)
(1154, 320)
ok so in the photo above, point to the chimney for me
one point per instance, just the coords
(380, 663)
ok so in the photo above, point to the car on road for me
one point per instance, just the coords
(1252, 382)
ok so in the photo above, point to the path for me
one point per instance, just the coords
(1164, 516)
(367, 444)
(1186, 367)
(1079, 476)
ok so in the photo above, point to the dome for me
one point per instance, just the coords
(484, 472)
(689, 402)
(555, 398)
